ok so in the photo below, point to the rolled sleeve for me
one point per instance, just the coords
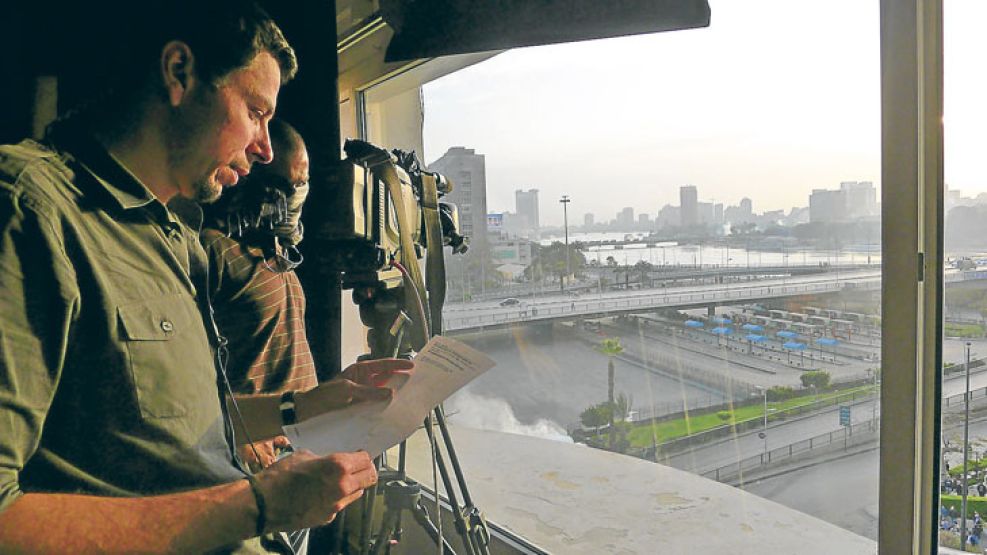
(36, 307)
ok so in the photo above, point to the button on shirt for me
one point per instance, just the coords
(107, 380)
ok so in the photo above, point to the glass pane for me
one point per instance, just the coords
(964, 435)
(675, 262)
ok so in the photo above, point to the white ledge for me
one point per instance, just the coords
(573, 499)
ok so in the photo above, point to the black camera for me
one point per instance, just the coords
(359, 231)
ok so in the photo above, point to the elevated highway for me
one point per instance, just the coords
(463, 317)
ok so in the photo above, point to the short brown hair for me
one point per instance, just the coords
(224, 35)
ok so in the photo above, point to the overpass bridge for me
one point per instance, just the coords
(671, 273)
(475, 316)
(465, 317)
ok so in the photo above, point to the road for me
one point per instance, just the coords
(843, 491)
(721, 453)
(464, 316)
(708, 457)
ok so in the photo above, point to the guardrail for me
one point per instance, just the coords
(958, 398)
(845, 436)
(580, 307)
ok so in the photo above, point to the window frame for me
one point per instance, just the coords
(911, 46)
(912, 260)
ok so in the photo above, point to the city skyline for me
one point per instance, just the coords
(753, 104)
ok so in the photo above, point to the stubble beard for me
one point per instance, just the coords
(206, 190)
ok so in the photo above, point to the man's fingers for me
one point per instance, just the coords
(370, 393)
(342, 503)
(391, 364)
(281, 442)
(365, 477)
(393, 379)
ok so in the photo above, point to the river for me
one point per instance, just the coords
(545, 377)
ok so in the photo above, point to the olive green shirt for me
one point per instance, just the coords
(107, 378)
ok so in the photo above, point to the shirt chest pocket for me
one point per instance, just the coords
(169, 356)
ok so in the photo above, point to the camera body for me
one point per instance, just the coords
(358, 230)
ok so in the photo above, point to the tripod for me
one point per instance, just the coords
(402, 494)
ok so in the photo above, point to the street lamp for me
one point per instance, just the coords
(565, 219)
(764, 433)
(966, 448)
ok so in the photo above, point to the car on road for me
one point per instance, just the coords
(510, 301)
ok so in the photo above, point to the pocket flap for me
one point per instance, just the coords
(150, 321)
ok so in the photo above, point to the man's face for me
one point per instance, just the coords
(294, 167)
(222, 130)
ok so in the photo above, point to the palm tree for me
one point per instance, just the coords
(611, 348)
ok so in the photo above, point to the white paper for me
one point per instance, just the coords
(441, 368)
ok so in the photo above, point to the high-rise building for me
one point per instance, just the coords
(739, 214)
(626, 217)
(526, 206)
(668, 216)
(852, 201)
(827, 205)
(861, 198)
(688, 205)
(588, 219)
(467, 170)
(644, 218)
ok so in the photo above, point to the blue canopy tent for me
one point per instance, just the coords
(721, 320)
(752, 327)
(693, 324)
(753, 338)
(719, 332)
(829, 342)
(787, 334)
(794, 346)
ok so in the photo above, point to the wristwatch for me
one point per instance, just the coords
(287, 406)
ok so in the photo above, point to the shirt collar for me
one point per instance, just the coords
(106, 170)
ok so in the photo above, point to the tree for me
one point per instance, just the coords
(643, 267)
(817, 378)
(551, 260)
(611, 348)
(622, 407)
(595, 416)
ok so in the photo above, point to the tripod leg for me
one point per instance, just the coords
(367, 518)
(461, 524)
(420, 513)
(387, 531)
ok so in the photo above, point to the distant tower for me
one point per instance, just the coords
(689, 205)
(468, 173)
(526, 206)
(746, 207)
(588, 219)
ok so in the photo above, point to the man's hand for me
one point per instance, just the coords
(369, 381)
(267, 450)
(305, 490)
(334, 395)
(378, 372)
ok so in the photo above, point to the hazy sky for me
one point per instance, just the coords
(775, 98)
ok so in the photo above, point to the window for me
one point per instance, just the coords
(964, 346)
(746, 307)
